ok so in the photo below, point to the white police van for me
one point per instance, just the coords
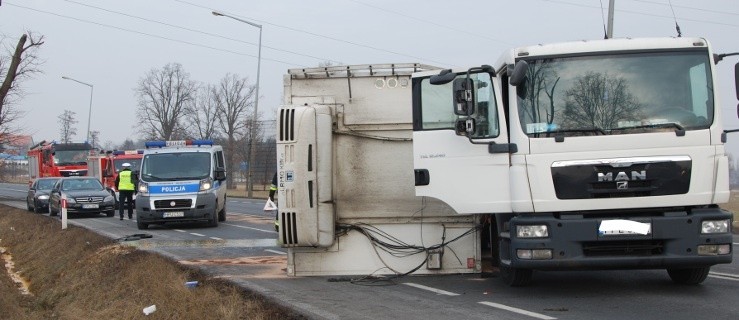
(181, 181)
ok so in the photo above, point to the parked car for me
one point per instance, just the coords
(83, 194)
(37, 199)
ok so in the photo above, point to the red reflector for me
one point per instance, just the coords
(64, 203)
(470, 263)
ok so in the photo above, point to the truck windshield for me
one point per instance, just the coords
(617, 94)
(135, 164)
(70, 157)
(175, 166)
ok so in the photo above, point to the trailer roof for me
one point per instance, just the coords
(362, 70)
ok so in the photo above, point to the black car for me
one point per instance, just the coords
(37, 199)
(83, 194)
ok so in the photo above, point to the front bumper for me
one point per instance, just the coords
(102, 207)
(201, 209)
(576, 243)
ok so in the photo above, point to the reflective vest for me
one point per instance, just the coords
(124, 181)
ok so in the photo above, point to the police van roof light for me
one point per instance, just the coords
(177, 143)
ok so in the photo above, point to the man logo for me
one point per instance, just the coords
(622, 176)
(622, 185)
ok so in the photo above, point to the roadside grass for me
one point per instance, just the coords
(78, 274)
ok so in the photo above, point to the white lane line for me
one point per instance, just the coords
(178, 230)
(197, 234)
(517, 310)
(275, 251)
(722, 277)
(250, 228)
(216, 238)
(736, 243)
(434, 290)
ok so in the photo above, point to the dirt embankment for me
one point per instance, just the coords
(49, 273)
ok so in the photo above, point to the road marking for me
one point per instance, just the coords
(216, 238)
(517, 310)
(725, 276)
(178, 230)
(736, 244)
(250, 228)
(434, 290)
(275, 251)
(197, 234)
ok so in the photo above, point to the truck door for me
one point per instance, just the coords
(460, 142)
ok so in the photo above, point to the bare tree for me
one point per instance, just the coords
(94, 138)
(165, 97)
(15, 67)
(598, 100)
(233, 97)
(66, 122)
(204, 118)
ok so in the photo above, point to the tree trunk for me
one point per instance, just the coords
(12, 70)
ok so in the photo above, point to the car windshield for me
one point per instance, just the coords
(70, 157)
(45, 184)
(175, 166)
(617, 94)
(81, 184)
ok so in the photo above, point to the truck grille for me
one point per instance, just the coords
(287, 124)
(623, 248)
(172, 203)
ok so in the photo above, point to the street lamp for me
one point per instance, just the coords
(252, 153)
(89, 112)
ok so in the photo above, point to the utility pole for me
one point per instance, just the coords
(609, 32)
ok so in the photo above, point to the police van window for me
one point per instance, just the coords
(219, 159)
(437, 107)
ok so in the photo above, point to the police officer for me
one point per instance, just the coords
(125, 185)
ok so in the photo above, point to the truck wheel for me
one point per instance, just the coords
(141, 225)
(516, 277)
(690, 276)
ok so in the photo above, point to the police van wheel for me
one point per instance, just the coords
(222, 215)
(214, 222)
(141, 225)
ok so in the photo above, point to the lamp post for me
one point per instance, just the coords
(89, 112)
(252, 147)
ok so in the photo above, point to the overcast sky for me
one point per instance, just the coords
(112, 44)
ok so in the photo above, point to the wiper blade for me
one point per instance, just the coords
(679, 129)
(584, 130)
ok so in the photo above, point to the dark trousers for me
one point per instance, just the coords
(125, 196)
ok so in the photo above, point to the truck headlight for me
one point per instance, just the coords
(715, 226)
(206, 184)
(532, 231)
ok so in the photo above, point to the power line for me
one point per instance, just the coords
(152, 35)
(690, 8)
(320, 35)
(431, 22)
(196, 31)
(641, 13)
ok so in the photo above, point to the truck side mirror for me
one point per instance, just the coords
(464, 97)
(444, 77)
(518, 75)
(465, 127)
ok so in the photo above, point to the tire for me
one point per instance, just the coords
(110, 214)
(516, 277)
(222, 214)
(689, 276)
(142, 225)
(36, 209)
(214, 222)
(28, 206)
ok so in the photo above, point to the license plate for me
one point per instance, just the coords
(90, 206)
(173, 214)
(624, 227)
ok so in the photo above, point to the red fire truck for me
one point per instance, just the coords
(106, 166)
(54, 159)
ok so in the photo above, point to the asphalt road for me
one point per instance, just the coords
(244, 250)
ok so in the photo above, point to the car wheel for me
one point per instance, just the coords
(51, 211)
(37, 208)
(28, 206)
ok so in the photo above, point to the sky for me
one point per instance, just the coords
(113, 44)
